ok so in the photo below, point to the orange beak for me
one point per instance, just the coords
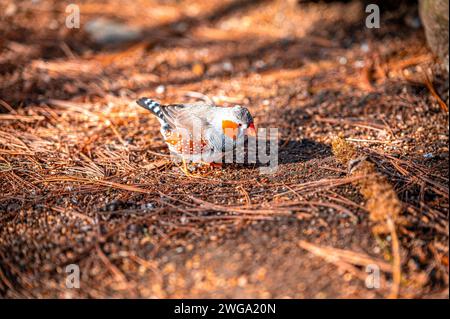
(251, 130)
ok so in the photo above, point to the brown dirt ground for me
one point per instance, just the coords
(84, 177)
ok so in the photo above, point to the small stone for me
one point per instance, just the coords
(227, 66)
(10, 10)
(147, 206)
(343, 60)
(107, 31)
(365, 47)
(242, 281)
(359, 64)
(160, 89)
(260, 64)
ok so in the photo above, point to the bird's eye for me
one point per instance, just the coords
(240, 124)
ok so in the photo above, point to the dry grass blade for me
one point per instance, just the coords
(433, 92)
(94, 182)
(334, 255)
(397, 263)
(238, 209)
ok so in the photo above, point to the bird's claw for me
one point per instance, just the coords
(202, 167)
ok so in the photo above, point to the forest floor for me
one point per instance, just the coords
(85, 176)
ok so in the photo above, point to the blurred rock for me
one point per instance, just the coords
(106, 31)
(434, 15)
(160, 89)
(10, 10)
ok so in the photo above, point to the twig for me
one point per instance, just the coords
(334, 255)
(396, 265)
(433, 92)
(113, 268)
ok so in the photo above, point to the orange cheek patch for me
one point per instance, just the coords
(230, 129)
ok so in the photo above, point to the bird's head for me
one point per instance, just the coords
(236, 122)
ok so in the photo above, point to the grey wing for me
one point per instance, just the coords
(187, 116)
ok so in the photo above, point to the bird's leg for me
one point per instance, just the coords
(215, 165)
(184, 168)
(206, 167)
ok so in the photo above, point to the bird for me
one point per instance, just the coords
(201, 132)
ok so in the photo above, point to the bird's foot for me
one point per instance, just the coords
(199, 169)
(209, 166)
(215, 165)
(188, 171)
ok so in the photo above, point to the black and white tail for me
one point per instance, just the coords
(152, 106)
